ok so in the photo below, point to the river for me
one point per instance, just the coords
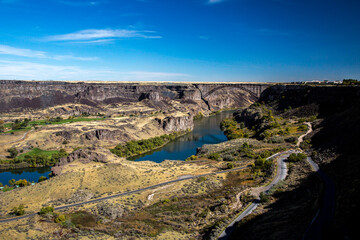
(30, 174)
(206, 131)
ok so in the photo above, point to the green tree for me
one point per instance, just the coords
(12, 182)
(22, 183)
(264, 197)
(13, 152)
(42, 178)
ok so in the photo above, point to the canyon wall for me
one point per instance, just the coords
(17, 96)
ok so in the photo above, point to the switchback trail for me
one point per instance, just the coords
(125, 193)
(280, 175)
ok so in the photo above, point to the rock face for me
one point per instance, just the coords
(177, 124)
(17, 96)
(85, 155)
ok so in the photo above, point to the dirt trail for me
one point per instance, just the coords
(20, 139)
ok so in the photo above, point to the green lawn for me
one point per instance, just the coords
(36, 151)
(78, 119)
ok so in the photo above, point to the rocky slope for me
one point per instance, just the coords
(333, 145)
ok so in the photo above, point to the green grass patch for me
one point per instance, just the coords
(37, 151)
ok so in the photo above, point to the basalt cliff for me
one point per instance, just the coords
(77, 97)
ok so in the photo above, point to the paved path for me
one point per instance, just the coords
(280, 175)
(126, 193)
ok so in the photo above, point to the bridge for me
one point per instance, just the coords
(254, 90)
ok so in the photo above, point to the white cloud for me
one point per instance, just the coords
(8, 50)
(4, 49)
(36, 71)
(101, 35)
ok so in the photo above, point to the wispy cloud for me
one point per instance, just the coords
(102, 34)
(36, 71)
(22, 52)
(4, 49)
(215, 1)
(204, 37)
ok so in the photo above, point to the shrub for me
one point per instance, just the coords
(229, 158)
(191, 158)
(303, 128)
(276, 139)
(291, 139)
(165, 201)
(18, 211)
(201, 179)
(46, 210)
(60, 219)
(42, 178)
(13, 152)
(214, 156)
(230, 165)
(264, 197)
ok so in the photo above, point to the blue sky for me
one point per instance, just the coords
(179, 40)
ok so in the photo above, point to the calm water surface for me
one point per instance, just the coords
(206, 131)
(30, 174)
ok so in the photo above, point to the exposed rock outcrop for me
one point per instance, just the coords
(177, 124)
(84, 155)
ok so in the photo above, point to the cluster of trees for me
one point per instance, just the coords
(351, 82)
(262, 167)
(18, 124)
(20, 183)
(138, 147)
(231, 129)
(51, 120)
(296, 157)
(37, 157)
(43, 159)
